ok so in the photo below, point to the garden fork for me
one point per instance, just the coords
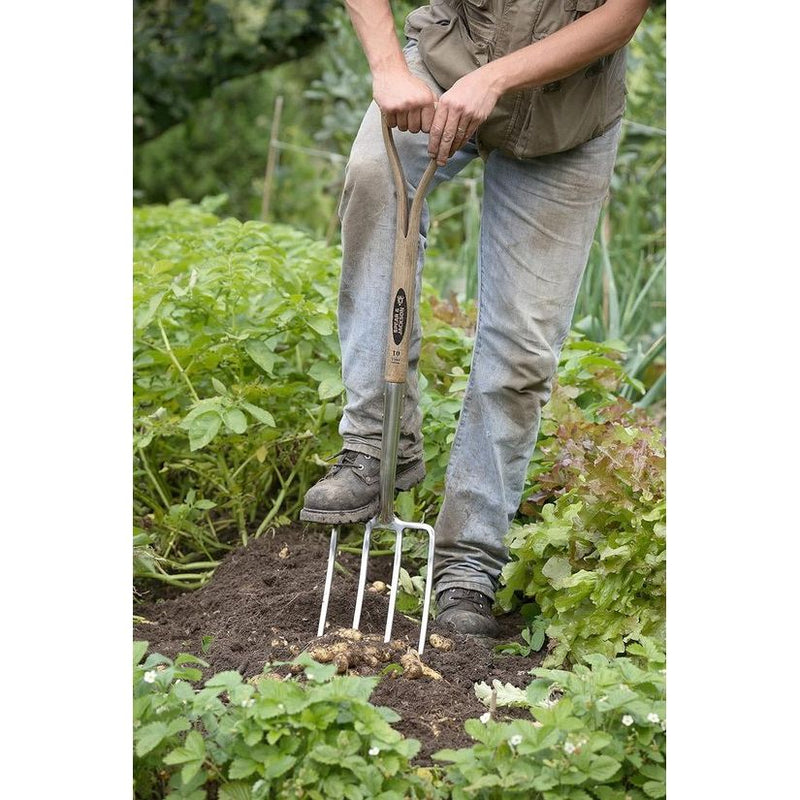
(400, 325)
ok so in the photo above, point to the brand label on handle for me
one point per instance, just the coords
(399, 316)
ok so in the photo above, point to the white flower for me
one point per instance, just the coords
(653, 717)
(484, 718)
(569, 748)
(150, 676)
(663, 724)
(627, 720)
(515, 740)
(248, 703)
(373, 751)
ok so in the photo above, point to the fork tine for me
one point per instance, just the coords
(326, 595)
(362, 575)
(398, 550)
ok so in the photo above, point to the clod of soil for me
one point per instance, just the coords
(262, 606)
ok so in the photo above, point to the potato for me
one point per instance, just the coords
(322, 654)
(342, 663)
(440, 642)
(350, 634)
(412, 666)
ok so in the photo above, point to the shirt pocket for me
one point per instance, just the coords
(480, 19)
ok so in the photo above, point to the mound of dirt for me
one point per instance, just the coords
(262, 606)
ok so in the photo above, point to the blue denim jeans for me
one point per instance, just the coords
(538, 223)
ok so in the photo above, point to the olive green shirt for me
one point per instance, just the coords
(457, 36)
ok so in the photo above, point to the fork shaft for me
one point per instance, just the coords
(392, 409)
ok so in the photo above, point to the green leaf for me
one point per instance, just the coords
(242, 768)
(261, 354)
(322, 325)
(203, 429)
(276, 767)
(602, 768)
(219, 386)
(193, 748)
(557, 570)
(538, 691)
(227, 679)
(149, 736)
(236, 790)
(655, 789)
(258, 413)
(316, 672)
(653, 771)
(235, 421)
(139, 649)
(330, 387)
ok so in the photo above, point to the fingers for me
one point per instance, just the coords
(415, 120)
(427, 116)
(464, 133)
(450, 131)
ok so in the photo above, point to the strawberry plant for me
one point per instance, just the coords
(264, 738)
(598, 733)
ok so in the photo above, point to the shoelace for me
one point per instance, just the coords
(348, 460)
(470, 595)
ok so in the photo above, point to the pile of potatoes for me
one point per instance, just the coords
(348, 649)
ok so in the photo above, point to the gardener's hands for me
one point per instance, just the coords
(460, 111)
(409, 104)
(406, 101)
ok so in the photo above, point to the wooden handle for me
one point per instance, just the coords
(404, 269)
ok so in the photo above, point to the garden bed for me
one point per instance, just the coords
(262, 606)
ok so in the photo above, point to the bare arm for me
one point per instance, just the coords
(471, 99)
(406, 101)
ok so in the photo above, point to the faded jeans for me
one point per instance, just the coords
(538, 222)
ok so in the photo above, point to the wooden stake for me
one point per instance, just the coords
(272, 158)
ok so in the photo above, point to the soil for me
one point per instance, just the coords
(262, 605)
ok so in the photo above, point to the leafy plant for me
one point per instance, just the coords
(593, 558)
(268, 738)
(533, 634)
(599, 733)
(235, 378)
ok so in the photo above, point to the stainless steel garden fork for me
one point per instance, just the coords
(403, 296)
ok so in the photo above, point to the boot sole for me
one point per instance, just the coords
(343, 516)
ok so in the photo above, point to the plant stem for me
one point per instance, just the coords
(153, 479)
(176, 363)
(285, 484)
(347, 548)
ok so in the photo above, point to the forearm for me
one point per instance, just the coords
(374, 26)
(598, 33)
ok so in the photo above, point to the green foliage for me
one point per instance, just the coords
(593, 561)
(623, 295)
(236, 379)
(599, 734)
(182, 50)
(266, 738)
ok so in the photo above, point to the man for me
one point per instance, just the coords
(536, 88)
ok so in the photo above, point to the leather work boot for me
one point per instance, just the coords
(466, 611)
(349, 490)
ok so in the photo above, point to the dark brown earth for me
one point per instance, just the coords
(262, 606)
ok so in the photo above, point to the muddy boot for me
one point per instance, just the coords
(466, 611)
(349, 491)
